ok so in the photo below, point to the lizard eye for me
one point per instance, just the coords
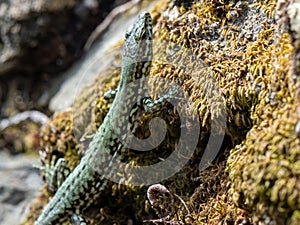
(127, 34)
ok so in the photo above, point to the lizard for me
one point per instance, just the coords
(87, 180)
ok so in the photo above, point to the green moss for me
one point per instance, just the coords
(236, 43)
(263, 169)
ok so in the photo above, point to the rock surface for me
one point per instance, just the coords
(38, 40)
(43, 36)
(34, 28)
(19, 185)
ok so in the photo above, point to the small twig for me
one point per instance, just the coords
(185, 206)
(163, 220)
(153, 192)
(108, 20)
(34, 116)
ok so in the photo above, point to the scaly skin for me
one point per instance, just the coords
(87, 180)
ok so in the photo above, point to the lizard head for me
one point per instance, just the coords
(138, 40)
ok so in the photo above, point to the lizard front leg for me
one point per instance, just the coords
(55, 174)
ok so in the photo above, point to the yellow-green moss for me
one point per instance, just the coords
(239, 45)
(264, 169)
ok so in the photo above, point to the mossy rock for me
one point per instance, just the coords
(255, 179)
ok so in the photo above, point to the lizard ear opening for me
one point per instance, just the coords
(128, 31)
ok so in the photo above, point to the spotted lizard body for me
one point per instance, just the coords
(87, 180)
